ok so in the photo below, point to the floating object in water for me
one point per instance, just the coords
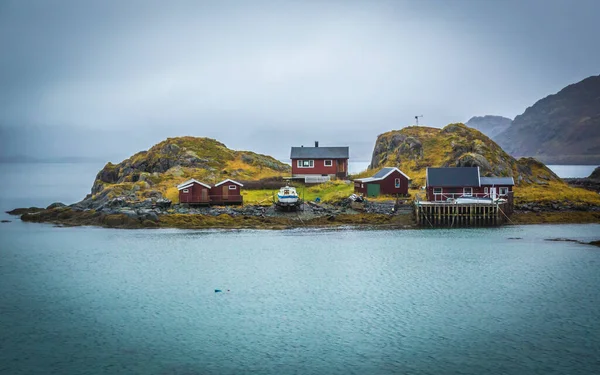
(218, 290)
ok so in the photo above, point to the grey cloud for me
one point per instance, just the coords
(265, 75)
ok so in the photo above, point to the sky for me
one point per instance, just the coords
(105, 79)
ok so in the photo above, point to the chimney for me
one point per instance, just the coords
(316, 143)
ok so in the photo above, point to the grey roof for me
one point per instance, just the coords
(453, 177)
(506, 181)
(320, 153)
(383, 173)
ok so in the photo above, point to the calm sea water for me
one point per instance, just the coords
(479, 301)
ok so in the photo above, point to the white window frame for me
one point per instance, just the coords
(300, 164)
(186, 190)
(362, 186)
(397, 183)
(469, 194)
(503, 190)
(486, 190)
(328, 163)
(441, 191)
(232, 187)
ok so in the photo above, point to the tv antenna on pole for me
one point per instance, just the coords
(417, 118)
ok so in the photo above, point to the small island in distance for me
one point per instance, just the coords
(141, 191)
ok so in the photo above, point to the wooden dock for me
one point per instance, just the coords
(455, 215)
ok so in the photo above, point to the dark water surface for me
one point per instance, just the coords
(101, 301)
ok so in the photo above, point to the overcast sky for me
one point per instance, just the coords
(109, 78)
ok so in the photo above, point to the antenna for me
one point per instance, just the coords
(417, 118)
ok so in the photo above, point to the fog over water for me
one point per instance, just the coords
(107, 79)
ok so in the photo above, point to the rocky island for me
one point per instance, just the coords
(141, 192)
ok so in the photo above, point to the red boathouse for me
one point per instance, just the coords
(194, 192)
(388, 181)
(227, 192)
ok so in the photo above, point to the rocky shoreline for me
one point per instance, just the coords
(161, 214)
(118, 213)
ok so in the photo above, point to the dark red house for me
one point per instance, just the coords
(465, 182)
(194, 192)
(226, 192)
(388, 181)
(320, 164)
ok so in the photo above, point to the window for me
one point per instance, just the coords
(485, 190)
(186, 190)
(232, 187)
(306, 163)
(328, 163)
(362, 186)
(503, 191)
(397, 183)
(467, 192)
(437, 190)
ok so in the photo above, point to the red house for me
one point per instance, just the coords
(319, 164)
(466, 182)
(388, 181)
(194, 192)
(226, 192)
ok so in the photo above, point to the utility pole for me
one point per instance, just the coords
(417, 118)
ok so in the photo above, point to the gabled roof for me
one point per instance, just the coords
(229, 180)
(453, 177)
(382, 175)
(320, 153)
(190, 182)
(506, 181)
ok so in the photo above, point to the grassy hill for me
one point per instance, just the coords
(156, 172)
(415, 148)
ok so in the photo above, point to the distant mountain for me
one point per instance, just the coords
(563, 128)
(489, 125)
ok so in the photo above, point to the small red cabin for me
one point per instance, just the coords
(388, 181)
(194, 192)
(227, 192)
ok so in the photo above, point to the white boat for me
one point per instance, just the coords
(287, 196)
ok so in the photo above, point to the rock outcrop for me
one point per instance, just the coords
(563, 128)
(153, 175)
(415, 148)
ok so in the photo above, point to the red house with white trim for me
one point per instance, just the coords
(320, 163)
(466, 182)
(194, 192)
(388, 181)
(227, 192)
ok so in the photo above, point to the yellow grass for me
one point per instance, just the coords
(555, 191)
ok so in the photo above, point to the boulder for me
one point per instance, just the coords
(55, 205)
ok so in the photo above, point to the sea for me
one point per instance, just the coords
(89, 300)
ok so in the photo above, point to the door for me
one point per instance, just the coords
(373, 190)
(225, 192)
(493, 193)
(204, 195)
